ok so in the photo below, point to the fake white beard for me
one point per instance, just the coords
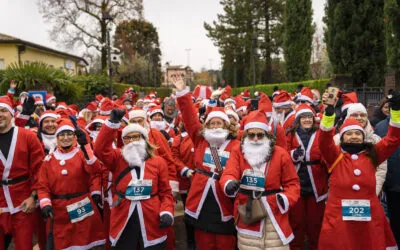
(216, 137)
(49, 142)
(159, 125)
(94, 135)
(135, 152)
(256, 153)
(278, 117)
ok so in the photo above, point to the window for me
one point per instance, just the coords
(2, 64)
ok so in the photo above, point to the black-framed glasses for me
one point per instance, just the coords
(132, 138)
(254, 135)
(66, 134)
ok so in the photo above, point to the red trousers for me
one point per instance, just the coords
(213, 241)
(306, 220)
(20, 225)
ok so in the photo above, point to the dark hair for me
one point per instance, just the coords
(296, 125)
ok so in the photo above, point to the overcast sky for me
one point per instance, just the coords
(179, 23)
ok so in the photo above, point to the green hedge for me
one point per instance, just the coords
(119, 89)
(289, 87)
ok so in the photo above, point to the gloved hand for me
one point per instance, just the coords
(394, 101)
(97, 200)
(165, 221)
(298, 154)
(116, 115)
(232, 187)
(47, 211)
(189, 173)
(281, 201)
(28, 107)
(330, 110)
(81, 137)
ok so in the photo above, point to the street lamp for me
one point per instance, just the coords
(107, 17)
(253, 58)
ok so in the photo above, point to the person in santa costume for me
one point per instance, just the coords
(306, 216)
(207, 208)
(50, 102)
(283, 111)
(157, 121)
(94, 126)
(143, 203)
(359, 112)
(64, 190)
(183, 152)
(354, 218)
(171, 114)
(20, 158)
(258, 169)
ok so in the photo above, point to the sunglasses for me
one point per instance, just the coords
(254, 135)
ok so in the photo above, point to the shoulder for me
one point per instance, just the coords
(281, 153)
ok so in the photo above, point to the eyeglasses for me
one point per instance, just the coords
(258, 135)
(132, 138)
(362, 115)
(66, 134)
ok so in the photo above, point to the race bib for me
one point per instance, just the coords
(253, 180)
(80, 210)
(139, 190)
(356, 210)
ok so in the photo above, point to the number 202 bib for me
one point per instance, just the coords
(253, 180)
(80, 210)
(356, 210)
(139, 190)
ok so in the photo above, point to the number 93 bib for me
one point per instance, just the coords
(138, 190)
(253, 180)
(80, 210)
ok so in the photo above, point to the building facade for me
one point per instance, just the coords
(179, 70)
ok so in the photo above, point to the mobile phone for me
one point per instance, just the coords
(333, 92)
(254, 104)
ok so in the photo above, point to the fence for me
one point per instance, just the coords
(370, 96)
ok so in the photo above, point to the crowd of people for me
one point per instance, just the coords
(274, 172)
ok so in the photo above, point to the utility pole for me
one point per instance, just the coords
(188, 56)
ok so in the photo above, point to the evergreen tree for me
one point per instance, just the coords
(298, 36)
(392, 30)
(355, 39)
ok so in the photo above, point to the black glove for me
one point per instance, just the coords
(232, 187)
(394, 100)
(81, 137)
(116, 115)
(31, 123)
(29, 106)
(281, 201)
(47, 211)
(99, 204)
(165, 221)
(298, 153)
(330, 110)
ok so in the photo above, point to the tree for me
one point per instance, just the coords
(81, 23)
(392, 30)
(139, 38)
(298, 38)
(354, 35)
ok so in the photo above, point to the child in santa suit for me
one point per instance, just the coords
(64, 190)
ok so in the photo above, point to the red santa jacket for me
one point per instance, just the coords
(201, 184)
(280, 174)
(289, 120)
(317, 170)
(69, 173)
(161, 201)
(24, 159)
(183, 152)
(353, 178)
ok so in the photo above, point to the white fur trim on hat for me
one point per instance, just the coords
(137, 113)
(8, 107)
(229, 100)
(282, 104)
(64, 128)
(357, 127)
(133, 127)
(304, 98)
(304, 111)
(156, 111)
(356, 108)
(51, 98)
(44, 116)
(259, 125)
(218, 114)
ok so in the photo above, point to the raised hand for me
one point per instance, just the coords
(29, 106)
(13, 85)
(116, 115)
(178, 82)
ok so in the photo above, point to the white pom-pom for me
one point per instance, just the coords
(242, 93)
(256, 93)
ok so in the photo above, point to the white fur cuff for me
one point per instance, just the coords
(183, 92)
(285, 201)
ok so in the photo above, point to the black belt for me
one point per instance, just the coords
(213, 175)
(312, 162)
(14, 180)
(67, 196)
(259, 193)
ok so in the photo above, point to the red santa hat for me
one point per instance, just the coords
(133, 127)
(316, 93)
(203, 92)
(126, 118)
(62, 105)
(241, 105)
(63, 113)
(137, 112)
(265, 104)
(50, 97)
(106, 107)
(217, 112)
(246, 93)
(304, 109)
(139, 100)
(350, 124)
(47, 114)
(228, 100)
(147, 99)
(152, 94)
(230, 112)
(38, 101)
(65, 125)
(276, 93)
(98, 119)
(154, 110)
(282, 99)
(349, 99)
(5, 102)
(305, 95)
(257, 119)
(99, 97)
(356, 108)
(92, 106)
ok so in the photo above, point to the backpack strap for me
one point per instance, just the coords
(330, 169)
